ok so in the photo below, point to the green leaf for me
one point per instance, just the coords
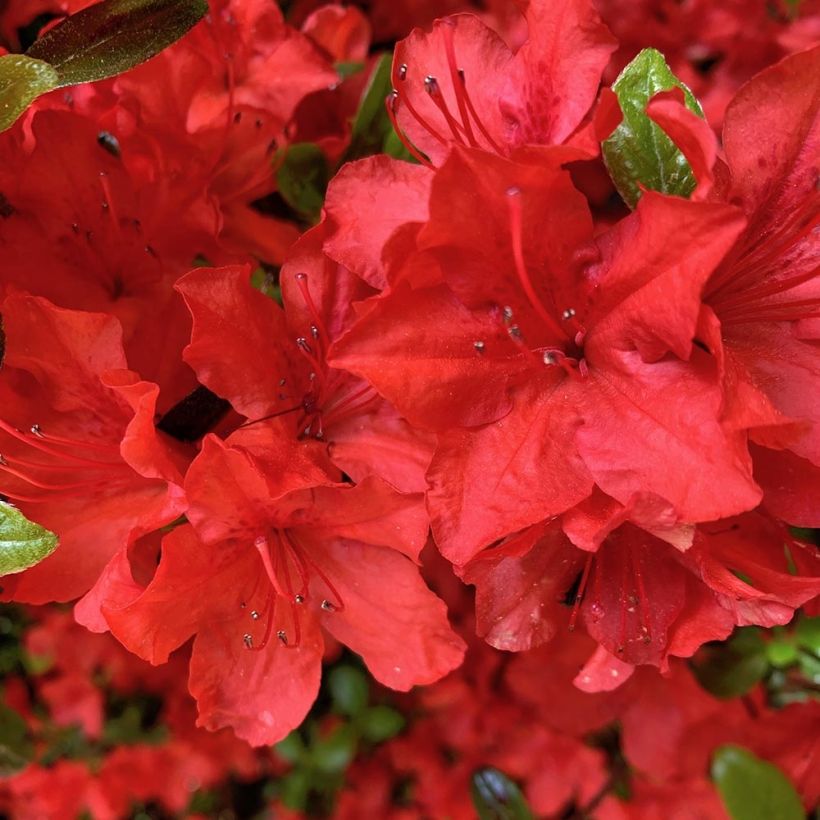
(380, 723)
(808, 634)
(292, 748)
(22, 543)
(16, 749)
(112, 36)
(639, 152)
(371, 125)
(302, 179)
(781, 653)
(752, 789)
(349, 690)
(731, 669)
(22, 80)
(496, 797)
(333, 753)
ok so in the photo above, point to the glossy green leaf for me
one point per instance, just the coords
(731, 669)
(22, 543)
(302, 179)
(380, 723)
(15, 746)
(348, 688)
(639, 153)
(112, 36)
(22, 80)
(752, 789)
(496, 797)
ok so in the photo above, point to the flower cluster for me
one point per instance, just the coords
(288, 367)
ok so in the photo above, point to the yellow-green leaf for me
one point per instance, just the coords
(22, 80)
(113, 36)
(22, 542)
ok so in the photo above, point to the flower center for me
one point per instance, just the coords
(756, 281)
(288, 569)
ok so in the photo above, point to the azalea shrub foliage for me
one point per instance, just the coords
(410, 409)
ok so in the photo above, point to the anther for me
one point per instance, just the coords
(431, 85)
(37, 431)
(514, 331)
(550, 357)
(327, 606)
(254, 615)
(403, 71)
(479, 346)
(314, 331)
(508, 314)
(282, 382)
(303, 343)
(513, 190)
(568, 314)
(283, 637)
(3, 461)
(248, 640)
(301, 277)
(298, 599)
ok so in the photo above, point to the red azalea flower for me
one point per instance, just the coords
(766, 294)
(762, 309)
(549, 362)
(277, 365)
(77, 434)
(278, 549)
(461, 85)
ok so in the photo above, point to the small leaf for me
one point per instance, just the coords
(371, 125)
(380, 723)
(333, 753)
(348, 688)
(639, 153)
(496, 797)
(112, 36)
(303, 177)
(15, 746)
(22, 80)
(808, 634)
(731, 669)
(22, 543)
(752, 789)
(292, 748)
(781, 653)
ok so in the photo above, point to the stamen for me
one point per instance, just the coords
(474, 114)
(579, 596)
(421, 121)
(37, 441)
(318, 326)
(390, 104)
(516, 232)
(456, 78)
(431, 86)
